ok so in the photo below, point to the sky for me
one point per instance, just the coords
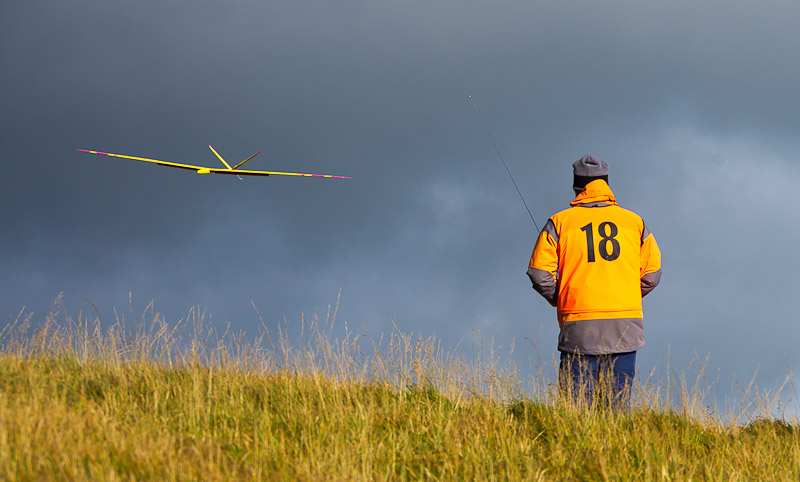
(692, 105)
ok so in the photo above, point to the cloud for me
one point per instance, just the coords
(690, 103)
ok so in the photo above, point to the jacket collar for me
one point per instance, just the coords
(596, 191)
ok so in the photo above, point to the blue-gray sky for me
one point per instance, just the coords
(692, 104)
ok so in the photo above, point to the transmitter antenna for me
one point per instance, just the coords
(497, 150)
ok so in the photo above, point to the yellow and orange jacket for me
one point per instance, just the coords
(594, 262)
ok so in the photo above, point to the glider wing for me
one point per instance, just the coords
(208, 170)
(242, 172)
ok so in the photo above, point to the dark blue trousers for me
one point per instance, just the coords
(604, 379)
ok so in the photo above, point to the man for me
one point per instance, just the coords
(594, 262)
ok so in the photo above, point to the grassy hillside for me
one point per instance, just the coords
(81, 403)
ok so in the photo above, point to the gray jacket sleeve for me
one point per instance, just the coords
(543, 281)
(650, 281)
(545, 284)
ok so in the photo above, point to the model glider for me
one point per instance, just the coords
(211, 170)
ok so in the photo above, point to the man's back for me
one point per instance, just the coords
(594, 262)
(598, 259)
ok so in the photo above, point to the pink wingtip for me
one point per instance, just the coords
(335, 177)
(327, 175)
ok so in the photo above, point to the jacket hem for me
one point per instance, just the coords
(602, 336)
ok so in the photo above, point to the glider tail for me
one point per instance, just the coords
(237, 166)
(219, 157)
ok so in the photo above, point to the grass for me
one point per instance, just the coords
(177, 402)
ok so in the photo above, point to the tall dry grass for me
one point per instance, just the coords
(145, 399)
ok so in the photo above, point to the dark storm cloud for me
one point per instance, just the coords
(692, 105)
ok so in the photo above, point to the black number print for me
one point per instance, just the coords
(608, 238)
(608, 232)
(589, 241)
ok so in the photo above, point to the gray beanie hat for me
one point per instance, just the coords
(587, 169)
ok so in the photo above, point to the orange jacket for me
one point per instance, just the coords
(595, 260)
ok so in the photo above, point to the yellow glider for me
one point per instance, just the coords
(210, 170)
